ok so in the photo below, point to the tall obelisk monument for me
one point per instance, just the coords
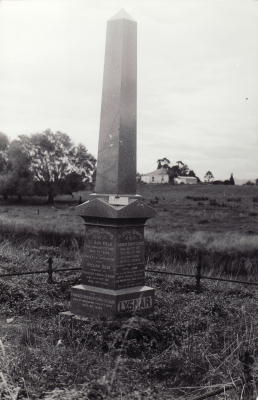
(116, 169)
(113, 270)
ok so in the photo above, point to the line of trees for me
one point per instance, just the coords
(210, 178)
(43, 164)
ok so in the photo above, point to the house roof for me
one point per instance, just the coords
(188, 177)
(160, 171)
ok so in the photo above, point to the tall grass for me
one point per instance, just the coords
(223, 253)
(205, 241)
(51, 230)
(60, 228)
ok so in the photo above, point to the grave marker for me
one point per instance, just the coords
(113, 270)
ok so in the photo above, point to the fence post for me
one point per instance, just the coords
(198, 271)
(50, 271)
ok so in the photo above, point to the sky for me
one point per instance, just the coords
(197, 77)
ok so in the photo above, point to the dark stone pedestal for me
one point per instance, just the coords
(113, 270)
(92, 301)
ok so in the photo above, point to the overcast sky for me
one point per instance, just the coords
(197, 77)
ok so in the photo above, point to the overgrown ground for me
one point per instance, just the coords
(193, 339)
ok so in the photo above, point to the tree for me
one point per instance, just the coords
(57, 165)
(163, 163)
(231, 180)
(208, 176)
(16, 178)
(191, 173)
(21, 177)
(173, 172)
(184, 170)
(159, 164)
(4, 144)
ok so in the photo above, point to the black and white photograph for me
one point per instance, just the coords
(129, 199)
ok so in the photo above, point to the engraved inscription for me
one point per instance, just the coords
(99, 279)
(130, 247)
(130, 276)
(91, 301)
(135, 304)
(99, 257)
(113, 258)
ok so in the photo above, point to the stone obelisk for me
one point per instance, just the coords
(113, 270)
(116, 169)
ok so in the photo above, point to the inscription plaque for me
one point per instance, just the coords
(113, 257)
(120, 201)
(108, 302)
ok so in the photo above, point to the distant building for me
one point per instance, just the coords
(186, 179)
(158, 176)
(256, 181)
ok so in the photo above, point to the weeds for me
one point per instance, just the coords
(235, 199)
(190, 340)
(155, 201)
(197, 198)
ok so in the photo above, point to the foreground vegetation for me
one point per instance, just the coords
(191, 342)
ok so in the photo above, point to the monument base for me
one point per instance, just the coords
(88, 301)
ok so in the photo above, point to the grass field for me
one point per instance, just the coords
(191, 342)
(180, 210)
(209, 208)
(221, 222)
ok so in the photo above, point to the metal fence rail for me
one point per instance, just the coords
(197, 276)
(202, 277)
(39, 272)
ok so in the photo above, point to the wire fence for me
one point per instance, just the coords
(198, 276)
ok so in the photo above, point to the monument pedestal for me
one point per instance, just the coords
(92, 301)
(113, 269)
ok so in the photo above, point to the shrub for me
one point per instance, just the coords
(197, 198)
(236, 199)
(213, 202)
(154, 201)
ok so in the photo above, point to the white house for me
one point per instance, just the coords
(186, 179)
(158, 176)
